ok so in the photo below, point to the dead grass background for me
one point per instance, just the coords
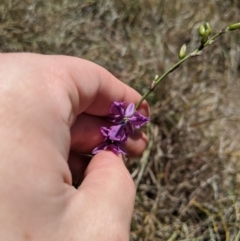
(188, 179)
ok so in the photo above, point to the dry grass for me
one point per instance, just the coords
(189, 177)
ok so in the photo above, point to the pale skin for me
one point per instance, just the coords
(51, 110)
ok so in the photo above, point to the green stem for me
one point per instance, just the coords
(196, 52)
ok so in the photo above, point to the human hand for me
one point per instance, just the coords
(51, 110)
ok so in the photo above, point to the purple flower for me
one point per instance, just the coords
(125, 120)
(110, 142)
(128, 118)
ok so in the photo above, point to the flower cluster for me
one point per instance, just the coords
(125, 121)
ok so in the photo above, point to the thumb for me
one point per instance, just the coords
(106, 197)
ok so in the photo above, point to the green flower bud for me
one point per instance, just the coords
(182, 52)
(205, 30)
(208, 28)
(234, 26)
(201, 30)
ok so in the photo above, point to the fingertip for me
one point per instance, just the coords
(109, 171)
(136, 143)
(106, 196)
(144, 108)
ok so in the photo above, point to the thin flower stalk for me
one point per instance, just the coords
(205, 41)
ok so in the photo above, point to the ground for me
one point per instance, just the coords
(188, 179)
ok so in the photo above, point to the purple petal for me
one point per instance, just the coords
(138, 120)
(130, 110)
(117, 133)
(129, 128)
(117, 149)
(117, 108)
(102, 146)
(122, 150)
(104, 131)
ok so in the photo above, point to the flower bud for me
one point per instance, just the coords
(182, 52)
(156, 77)
(204, 31)
(208, 28)
(201, 30)
(233, 27)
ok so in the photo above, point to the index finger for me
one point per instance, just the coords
(75, 84)
(96, 88)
